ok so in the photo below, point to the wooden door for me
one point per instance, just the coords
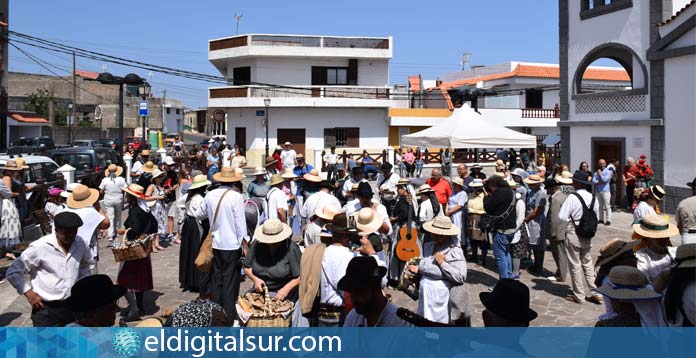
(296, 136)
(240, 137)
(610, 150)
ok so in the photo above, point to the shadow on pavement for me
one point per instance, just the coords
(7, 318)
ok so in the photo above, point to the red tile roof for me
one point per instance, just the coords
(87, 74)
(27, 117)
(414, 83)
(692, 2)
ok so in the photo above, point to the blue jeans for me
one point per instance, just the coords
(501, 251)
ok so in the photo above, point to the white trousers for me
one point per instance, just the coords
(113, 206)
(604, 199)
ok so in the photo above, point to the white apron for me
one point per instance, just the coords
(433, 300)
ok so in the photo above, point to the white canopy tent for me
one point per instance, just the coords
(467, 129)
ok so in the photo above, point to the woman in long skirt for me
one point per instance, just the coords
(192, 234)
(10, 224)
(136, 275)
(155, 197)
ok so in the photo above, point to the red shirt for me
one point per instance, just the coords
(629, 180)
(442, 189)
(279, 164)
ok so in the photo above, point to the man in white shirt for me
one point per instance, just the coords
(364, 200)
(112, 188)
(288, 156)
(83, 202)
(54, 263)
(370, 307)
(578, 248)
(331, 160)
(276, 200)
(229, 233)
(317, 201)
(356, 177)
(386, 186)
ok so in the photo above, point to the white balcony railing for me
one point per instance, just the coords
(301, 41)
(353, 92)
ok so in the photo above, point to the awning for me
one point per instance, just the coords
(552, 139)
(27, 117)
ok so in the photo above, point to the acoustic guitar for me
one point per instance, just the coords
(407, 247)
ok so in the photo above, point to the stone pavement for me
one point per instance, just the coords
(547, 297)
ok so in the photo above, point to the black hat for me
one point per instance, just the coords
(341, 224)
(357, 170)
(326, 184)
(387, 166)
(581, 178)
(692, 183)
(364, 190)
(550, 183)
(509, 300)
(67, 220)
(362, 271)
(93, 292)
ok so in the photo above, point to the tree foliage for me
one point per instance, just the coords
(38, 102)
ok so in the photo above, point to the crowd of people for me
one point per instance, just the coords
(328, 244)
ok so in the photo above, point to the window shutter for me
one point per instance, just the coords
(329, 137)
(318, 76)
(353, 137)
(352, 72)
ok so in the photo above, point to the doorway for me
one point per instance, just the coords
(610, 149)
(240, 137)
(296, 136)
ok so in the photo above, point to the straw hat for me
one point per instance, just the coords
(657, 192)
(441, 225)
(534, 179)
(199, 181)
(686, 256)
(458, 181)
(259, 171)
(157, 173)
(270, 160)
(312, 176)
(327, 213)
(627, 283)
(565, 178)
(288, 173)
(227, 175)
(113, 168)
(278, 147)
(276, 179)
(82, 197)
(368, 220)
(272, 231)
(403, 182)
(149, 167)
(287, 143)
(300, 157)
(135, 190)
(424, 189)
(11, 165)
(655, 226)
(22, 163)
(612, 249)
(476, 183)
(499, 162)
(513, 184)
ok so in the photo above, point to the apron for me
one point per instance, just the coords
(433, 300)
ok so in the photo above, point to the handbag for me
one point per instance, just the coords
(204, 259)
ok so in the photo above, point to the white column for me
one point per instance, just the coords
(68, 173)
(129, 164)
(318, 159)
(162, 153)
(390, 155)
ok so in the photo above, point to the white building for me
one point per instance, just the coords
(323, 90)
(654, 40)
(173, 116)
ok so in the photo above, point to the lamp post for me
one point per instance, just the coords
(71, 118)
(267, 103)
(144, 91)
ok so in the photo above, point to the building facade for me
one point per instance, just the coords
(173, 115)
(321, 91)
(634, 121)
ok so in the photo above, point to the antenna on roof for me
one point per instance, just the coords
(103, 67)
(465, 60)
(238, 19)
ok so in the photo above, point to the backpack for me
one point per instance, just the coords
(587, 227)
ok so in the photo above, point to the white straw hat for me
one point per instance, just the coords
(272, 231)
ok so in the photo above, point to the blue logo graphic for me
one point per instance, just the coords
(127, 342)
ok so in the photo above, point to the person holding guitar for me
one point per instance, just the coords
(402, 220)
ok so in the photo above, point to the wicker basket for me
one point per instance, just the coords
(268, 318)
(134, 252)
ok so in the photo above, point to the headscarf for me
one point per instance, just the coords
(199, 313)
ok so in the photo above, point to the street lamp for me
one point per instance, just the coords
(267, 103)
(144, 91)
(70, 122)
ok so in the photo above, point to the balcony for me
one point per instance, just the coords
(522, 117)
(300, 46)
(541, 113)
(305, 96)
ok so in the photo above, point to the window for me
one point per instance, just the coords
(593, 8)
(329, 76)
(241, 76)
(178, 111)
(342, 137)
(169, 110)
(534, 98)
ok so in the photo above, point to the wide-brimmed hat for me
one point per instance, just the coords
(145, 153)
(581, 177)
(227, 175)
(565, 178)
(519, 172)
(657, 192)
(368, 220)
(82, 197)
(149, 167)
(276, 179)
(157, 173)
(278, 147)
(135, 190)
(424, 189)
(362, 271)
(92, 292)
(686, 256)
(312, 176)
(272, 231)
(22, 163)
(199, 181)
(357, 170)
(655, 226)
(113, 168)
(509, 300)
(169, 160)
(327, 213)
(341, 224)
(211, 140)
(364, 190)
(613, 249)
(458, 181)
(476, 183)
(259, 171)
(270, 160)
(288, 173)
(11, 165)
(287, 143)
(403, 182)
(441, 225)
(627, 283)
(299, 157)
(534, 179)
(475, 166)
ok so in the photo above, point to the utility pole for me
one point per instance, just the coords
(237, 18)
(74, 96)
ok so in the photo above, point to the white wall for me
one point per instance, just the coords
(680, 120)
(637, 141)
(551, 98)
(373, 72)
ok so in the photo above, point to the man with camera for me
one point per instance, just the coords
(499, 203)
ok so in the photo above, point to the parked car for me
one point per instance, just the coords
(109, 143)
(97, 158)
(36, 145)
(134, 142)
(85, 143)
(39, 166)
(169, 139)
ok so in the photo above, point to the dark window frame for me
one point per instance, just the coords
(342, 137)
(594, 8)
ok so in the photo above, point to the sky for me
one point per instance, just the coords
(429, 36)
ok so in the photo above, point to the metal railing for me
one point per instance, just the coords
(300, 41)
(301, 92)
(279, 40)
